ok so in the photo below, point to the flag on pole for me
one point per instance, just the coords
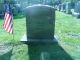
(8, 19)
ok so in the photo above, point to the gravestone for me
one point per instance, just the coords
(40, 20)
(68, 8)
(59, 7)
(77, 7)
(63, 7)
(76, 11)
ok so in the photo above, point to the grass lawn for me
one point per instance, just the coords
(67, 31)
(19, 30)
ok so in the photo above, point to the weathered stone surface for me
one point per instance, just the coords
(40, 20)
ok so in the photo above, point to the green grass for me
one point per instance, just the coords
(19, 50)
(19, 31)
(67, 30)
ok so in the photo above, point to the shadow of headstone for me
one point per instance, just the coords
(5, 52)
(6, 56)
(47, 52)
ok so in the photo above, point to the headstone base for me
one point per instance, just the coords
(37, 41)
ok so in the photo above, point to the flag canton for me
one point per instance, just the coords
(8, 9)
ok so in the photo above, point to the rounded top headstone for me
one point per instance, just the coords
(37, 5)
(39, 9)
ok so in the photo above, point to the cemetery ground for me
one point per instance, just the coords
(67, 31)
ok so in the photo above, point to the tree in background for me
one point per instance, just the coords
(70, 0)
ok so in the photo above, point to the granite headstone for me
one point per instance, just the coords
(40, 20)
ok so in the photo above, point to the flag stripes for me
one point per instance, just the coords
(8, 23)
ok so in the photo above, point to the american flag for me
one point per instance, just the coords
(8, 19)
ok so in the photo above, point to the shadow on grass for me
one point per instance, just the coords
(55, 51)
(6, 56)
